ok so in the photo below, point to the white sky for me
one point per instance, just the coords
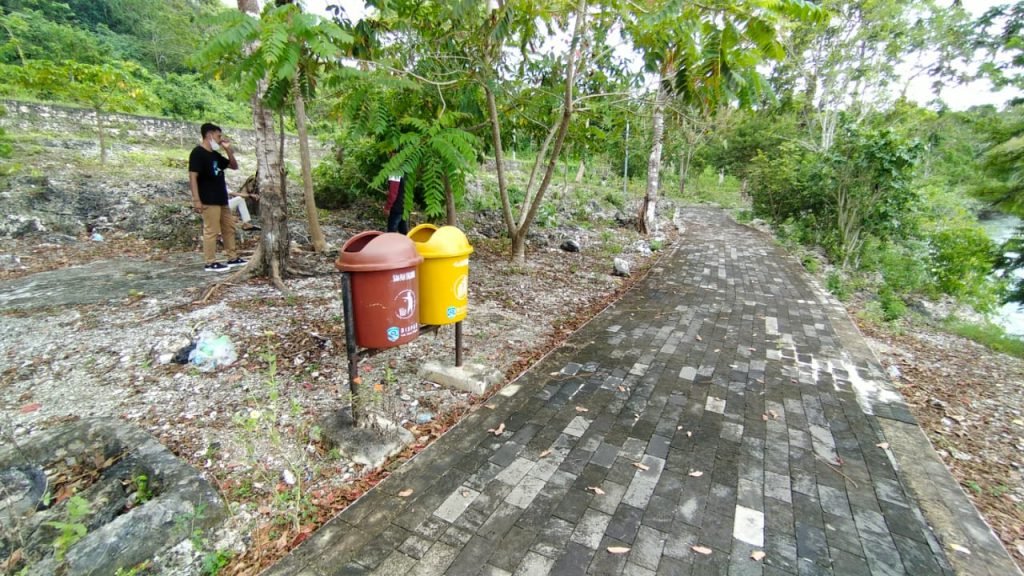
(957, 97)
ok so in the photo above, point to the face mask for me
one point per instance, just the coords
(214, 145)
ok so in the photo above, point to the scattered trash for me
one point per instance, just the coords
(424, 417)
(570, 246)
(406, 493)
(96, 237)
(183, 355)
(621, 267)
(288, 477)
(212, 351)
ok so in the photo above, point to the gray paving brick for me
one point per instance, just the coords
(625, 523)
(500, 521)
(591, 528)
(534, 564)
(770, 344)
(553, 538)
(512, 548)
(574, 561)
(436, 561)
(395, 565)
(456, 504)
(644, 481)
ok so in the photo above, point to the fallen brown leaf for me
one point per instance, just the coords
(699, 339)
(582, 409)
(764, 417)
(406, 493)
(596, 490)
(622, 388)
(757, 555)
(641, 466)
(773, 414)
(882, 445)
(544, 454)
(497, 431)
(618, 549)
(30, 407)
(701, 550)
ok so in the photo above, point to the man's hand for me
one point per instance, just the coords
(198, 207)
(225, 143)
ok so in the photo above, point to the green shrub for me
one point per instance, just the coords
(836, 285)
(903, 270)
(704, 187)
(810, 263)
(339, 180)
(989, 335)
(962, 260)
(893, 307)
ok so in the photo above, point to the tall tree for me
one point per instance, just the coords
(271, 259)
(705, 54)
(288, 49)
(485, 46)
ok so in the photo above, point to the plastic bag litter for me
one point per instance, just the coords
(212, 351)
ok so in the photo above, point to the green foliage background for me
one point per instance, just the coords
(70, 51)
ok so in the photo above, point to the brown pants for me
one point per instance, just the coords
(218, 220)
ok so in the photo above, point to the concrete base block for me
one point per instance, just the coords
(370, 445)
(473, 378)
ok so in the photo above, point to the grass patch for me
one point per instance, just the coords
(989, 335)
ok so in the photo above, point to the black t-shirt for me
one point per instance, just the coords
(210, 167)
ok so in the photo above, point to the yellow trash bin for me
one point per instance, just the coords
(444, 274)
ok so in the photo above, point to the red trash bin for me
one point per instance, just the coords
(385, 288)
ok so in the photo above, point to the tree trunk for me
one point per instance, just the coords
(518, 247)
(271, 259)
(316, 236)
(684, 170)
(646, 219)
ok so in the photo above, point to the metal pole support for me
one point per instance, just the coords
(458, 344)
(351, 350)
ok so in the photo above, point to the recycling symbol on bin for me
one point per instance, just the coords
(451, 311)
(392, 333)
(405, 304)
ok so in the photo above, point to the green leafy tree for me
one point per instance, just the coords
(705, 55)
(116, 86)
(867, 181)
(467, 47)
(290, 49)
(412, 131)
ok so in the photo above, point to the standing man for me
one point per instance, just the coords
(210, 195)
(395, 206)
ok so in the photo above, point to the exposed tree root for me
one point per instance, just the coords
(275, 278)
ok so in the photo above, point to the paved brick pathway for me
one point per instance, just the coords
(724, 403)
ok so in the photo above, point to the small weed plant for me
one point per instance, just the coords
(73, 529)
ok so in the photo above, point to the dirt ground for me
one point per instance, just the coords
(253, 428)
(970, 403)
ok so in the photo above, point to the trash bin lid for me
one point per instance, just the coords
(371, 251)
(443, 242)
